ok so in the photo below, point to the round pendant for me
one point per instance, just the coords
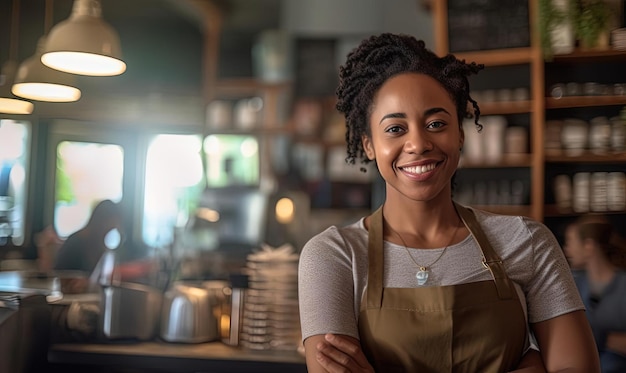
(422, 276)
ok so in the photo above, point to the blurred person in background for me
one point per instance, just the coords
(84, 249)
(595, 253)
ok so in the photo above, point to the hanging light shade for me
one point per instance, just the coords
(84, 44)
(35, 81)
(9, 104)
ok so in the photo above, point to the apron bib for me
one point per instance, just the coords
(473, 327)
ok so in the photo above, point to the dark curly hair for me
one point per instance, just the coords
(383, 56)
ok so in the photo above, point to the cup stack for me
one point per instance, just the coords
(271, 318)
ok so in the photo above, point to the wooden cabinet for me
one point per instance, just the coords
(579, 67)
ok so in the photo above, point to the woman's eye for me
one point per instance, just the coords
(435, 124)
(394, 129)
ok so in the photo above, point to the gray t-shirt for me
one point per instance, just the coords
(333, 271)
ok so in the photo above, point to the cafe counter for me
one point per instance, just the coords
(157, 357)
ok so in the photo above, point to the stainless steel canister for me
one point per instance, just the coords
(130, 311)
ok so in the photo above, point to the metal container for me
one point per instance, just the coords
(188, 314)
(130, 311)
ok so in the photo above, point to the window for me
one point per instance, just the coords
(86, 173)
(15, 137)
(173, 183)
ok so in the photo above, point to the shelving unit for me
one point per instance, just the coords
(531, 57)
(584, 101)
(582, 66)
(539, 108)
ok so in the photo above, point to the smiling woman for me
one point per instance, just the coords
(427, 283)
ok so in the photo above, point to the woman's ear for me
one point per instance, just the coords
(368, 147)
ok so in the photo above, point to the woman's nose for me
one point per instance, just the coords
(418, 142)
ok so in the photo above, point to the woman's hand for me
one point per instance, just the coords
(337, 354)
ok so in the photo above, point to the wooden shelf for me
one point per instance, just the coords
(587, 157)
(553, 211)
(499, 57)
(505, 107)
(584, 101)
(241, 87)
(581, 55)
(508, 161)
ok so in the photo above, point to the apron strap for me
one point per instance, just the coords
(491, 260)
(374, 288)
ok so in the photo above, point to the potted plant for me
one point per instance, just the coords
(556, 27)
(591, 23)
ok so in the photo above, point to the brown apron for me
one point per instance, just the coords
(473, 327)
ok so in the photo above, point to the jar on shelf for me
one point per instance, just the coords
(597, 192)
(616, 191)
(574, 136)
(600, 135)
(494, 129)
(618, 134)
(580, 191)
(563, 193)
(552, 140)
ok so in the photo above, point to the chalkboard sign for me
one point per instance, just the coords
(316, 69)
(487, 24)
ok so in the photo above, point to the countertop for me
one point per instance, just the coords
(214, 357)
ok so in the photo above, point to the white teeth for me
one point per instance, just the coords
(420, 169)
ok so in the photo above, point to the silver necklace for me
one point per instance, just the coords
(423, 270)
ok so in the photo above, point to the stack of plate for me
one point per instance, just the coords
(619, 39)
(271, 319)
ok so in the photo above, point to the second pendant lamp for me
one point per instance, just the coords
(35, 81)
(84, 44)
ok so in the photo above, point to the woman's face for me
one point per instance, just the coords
(416, 137)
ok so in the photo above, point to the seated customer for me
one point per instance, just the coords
(589, 248)
(84, 250)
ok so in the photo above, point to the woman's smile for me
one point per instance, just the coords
(419, 172)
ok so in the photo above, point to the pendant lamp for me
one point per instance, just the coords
(9, 104)
(36, 81)
(84, 44)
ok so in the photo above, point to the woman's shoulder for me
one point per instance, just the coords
(516, 232)
(332, 233)
(337, 238)
(503, 222)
